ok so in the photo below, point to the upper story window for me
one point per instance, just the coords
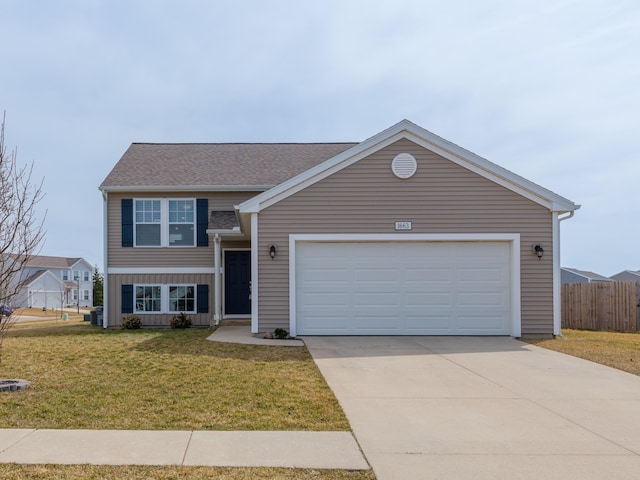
(147, 219)
(165, 222)
(85, 276)
(181, 223)
(76, 275)
(65, 275)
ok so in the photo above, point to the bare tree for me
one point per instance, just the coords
(21, 233)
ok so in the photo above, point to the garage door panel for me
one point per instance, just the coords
(420, 288)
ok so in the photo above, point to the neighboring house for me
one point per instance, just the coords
(626, 276)
(573, 275)
(402, 234)
(55, 282)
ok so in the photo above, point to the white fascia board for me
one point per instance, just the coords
(186, 188)
(161, 270)
(426, 139)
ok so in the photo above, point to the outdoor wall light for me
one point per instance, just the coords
(538, 250)
(272, 251)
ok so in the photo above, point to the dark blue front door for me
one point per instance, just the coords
(237, 283)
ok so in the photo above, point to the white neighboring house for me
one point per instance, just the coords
(55, 282)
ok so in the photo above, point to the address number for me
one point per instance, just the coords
(403, 226)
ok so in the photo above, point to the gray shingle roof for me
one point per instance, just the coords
(216, 164)
(223, 220)
(45, 261)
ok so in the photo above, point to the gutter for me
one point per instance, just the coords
(557, 282)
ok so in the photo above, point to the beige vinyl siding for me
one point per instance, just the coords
(156, 320)
(441, 197)
(131, 257)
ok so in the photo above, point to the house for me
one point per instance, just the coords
(573, 275)
(627, 276)
(404, 233)
(55, 282)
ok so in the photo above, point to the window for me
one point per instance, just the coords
(76, 275)
(147, 220)
(65, 275)
(148, 298)
(182, 298)
(165, 222)
(85, 294)
(181, 223)
(85, 276)
(75, 294)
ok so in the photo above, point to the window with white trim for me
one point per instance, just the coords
(85, 276)
(182, 298)
(148, 299)
(165, 222)
(65, 275)
(85, 294)
(75, 294)
(165, 298)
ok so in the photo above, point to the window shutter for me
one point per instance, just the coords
(127, 298)
(202, 220)
(203, 298)
(127, 222)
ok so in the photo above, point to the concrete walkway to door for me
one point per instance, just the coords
(482, 408)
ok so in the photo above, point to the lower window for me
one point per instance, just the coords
(165, 298)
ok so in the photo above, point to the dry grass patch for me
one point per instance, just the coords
(93, 472)
(615, 349)
(84, 377)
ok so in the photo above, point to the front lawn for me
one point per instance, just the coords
(84, 377)
(615, 349)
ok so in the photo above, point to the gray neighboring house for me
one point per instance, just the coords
(55, 282)
(404, 233)
(627, 276)
(573, 275)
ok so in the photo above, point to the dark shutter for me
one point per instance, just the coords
(127, 298)
(202, 220)
(127, 222)
(203, 298)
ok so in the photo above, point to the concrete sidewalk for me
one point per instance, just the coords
(321, 450)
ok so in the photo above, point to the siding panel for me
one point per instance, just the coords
(441, 197)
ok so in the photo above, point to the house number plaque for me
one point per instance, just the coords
(403, 226)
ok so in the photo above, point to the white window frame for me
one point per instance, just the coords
(165, 302)
(76, 275)
(135, 299)
(165, 238)
(195, 297)
(65, 275)
(85, 276)
(74, 295)
(86, 295)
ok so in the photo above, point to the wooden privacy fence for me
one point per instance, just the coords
(601, 306)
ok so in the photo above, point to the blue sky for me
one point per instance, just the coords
(549, 90)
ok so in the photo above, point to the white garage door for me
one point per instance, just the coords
(402, 288)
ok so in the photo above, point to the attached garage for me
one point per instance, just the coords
(405, 285)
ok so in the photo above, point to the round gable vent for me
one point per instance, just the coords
(404, 165)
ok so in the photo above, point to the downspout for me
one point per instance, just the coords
(217, 315)
(557, 285)
(105, 283)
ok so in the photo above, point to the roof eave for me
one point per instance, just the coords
(184, 188)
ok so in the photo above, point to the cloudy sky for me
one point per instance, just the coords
(549, 90)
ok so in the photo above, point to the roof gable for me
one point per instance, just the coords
(426, 139)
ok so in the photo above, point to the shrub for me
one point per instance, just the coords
(281, 333)
(131, 322)
(180, 321)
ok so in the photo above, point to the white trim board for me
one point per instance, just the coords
(512, 238)
(161, 270)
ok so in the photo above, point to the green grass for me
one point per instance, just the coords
(84, 377)
(93, 472)
(614, 349)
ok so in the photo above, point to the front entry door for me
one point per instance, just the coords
(237, 283)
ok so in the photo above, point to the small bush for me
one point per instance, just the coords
(131, 322)
(281, 333)
(180, 321)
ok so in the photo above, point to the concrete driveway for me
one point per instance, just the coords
(482, 408)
